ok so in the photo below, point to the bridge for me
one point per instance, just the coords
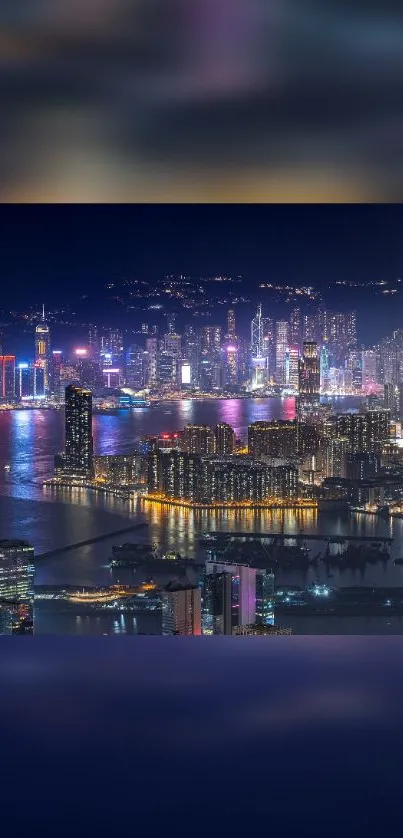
(59, 550)
(298, 536)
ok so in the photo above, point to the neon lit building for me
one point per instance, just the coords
(7, 377)
(16, 587)
(42, 351)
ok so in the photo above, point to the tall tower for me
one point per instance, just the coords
(42, 351)
(309, 373)
(259, 359)
(78, 419)
(231, 323)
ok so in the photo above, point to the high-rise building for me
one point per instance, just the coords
(198, 439)
(292, 368)
(224, 438)
(181, 611)
(55, 374)
(135, 367)
(151, 356)
(265, 597)
(282, 343)
(309, 373)
(366, 432)
(309, 328)
(231, 330)
(273, 440)
(295, 328)
(77, 459)
(229, 597)
(174, 474)
(42, 351)
(192, 353)
(369, 371)
(16, 587)
(334, 457)
(7, 377)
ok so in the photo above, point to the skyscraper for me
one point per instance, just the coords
(224, 438)
(42, 351)
(78, 457)
(181, 611)
(16, 587)
(229, 597)
(282, 341)
(7, 377)
(198, 439)
(309, 373)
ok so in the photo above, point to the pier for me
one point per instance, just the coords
(297, 536)
(59, 550)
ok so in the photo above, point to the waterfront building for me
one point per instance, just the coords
(309, 373)
(174, 474)
(121, 469)
(192, 353)
(134, 370)
(150, 360)
(296, 328)
(55, 372)
(229, 597)
(282, 343)
(258, 356)
(43, 356)
(224, 437)
(292, 368)
(181, 611)
(362, 465)
(77, 459)
(309, 328)
(198, 439)
(7, 378)
(16, 587)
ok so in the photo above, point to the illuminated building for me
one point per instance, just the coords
(364, 431)
(198, 439)
(94, 343)
(369, 374)
(55, 372)
(174, 474)
(276, 439)
(295, 328)
(393, 400)
(77, 459)
(112, 378)
(17, 587)
(7, 377)
(24, 381)
(282, 342)
(186, 374)
(284, 482)
(134, 373)
(171, 320)
(265, 597)
(233, 480)
(309, 328)
(211, 339)
(324, 369)
(292, 368)
(151, 355)
(181, 611)
(309, 373)
(216, 607)
(334, 457)
(362, 465)
(224, 438)
(42, 351)
(258, 359)
(231, 323)
(281, 439)
(120, 469)
(166, 368)
(192, 353)
(165, 442)
(229, 597)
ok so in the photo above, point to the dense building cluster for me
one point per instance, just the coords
(310, 353)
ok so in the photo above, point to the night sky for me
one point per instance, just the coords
(199, 738)
(51, 251)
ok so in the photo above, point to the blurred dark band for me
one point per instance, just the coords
(201, 100)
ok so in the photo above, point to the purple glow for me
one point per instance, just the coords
(231, 349)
